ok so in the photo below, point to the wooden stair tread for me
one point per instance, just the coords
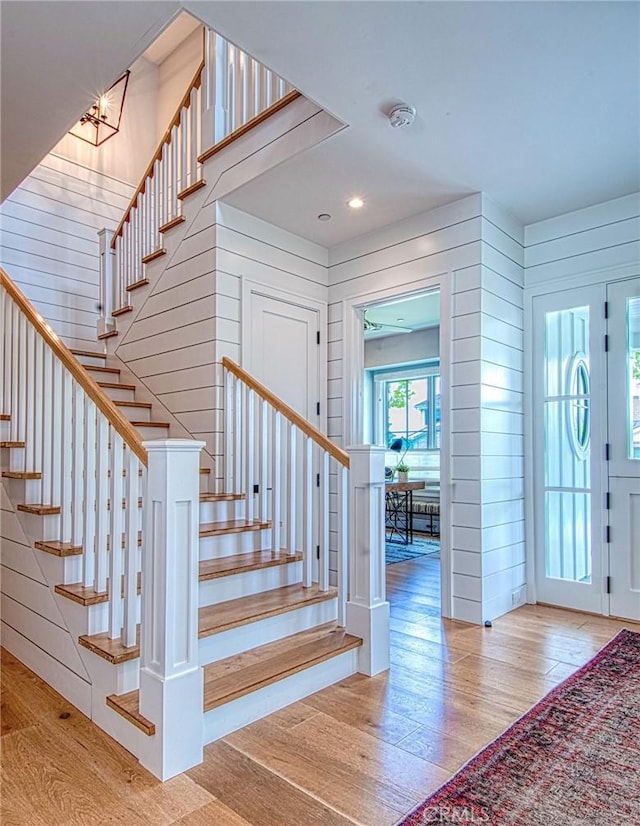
(174, 222)
(137, 284)
(81, 594)
(232, 526)
(39, 509)
(108, 334)
(91, 369)
(206, 470)
(128, 705)
(221, 497)
(53, 546)
(150, 424)
(236, 676)
(11, 444)
(111, 650)
(147, 259)
(114, 385)
(121, 311)
(141, 405)
(21, 474)
(191, 189)
(89, 354)
(5, 417)
(212, 619)
(241, 563)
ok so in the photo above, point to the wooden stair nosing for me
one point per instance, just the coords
(121, 311)
(111, 650)
(137, 284)
(5, 417)
(174, 222)
(39, 510)
(235, 677)
(89, 354)
(195, 186)
(147, 259)
(114, 385)
(231, 526)
(205, 470)
(128, 706)
(150, 424)
(84, 595)
(221, 497)
(140, 405)
(223, 616)
(242, 563)
(9, 443)
(57, 548)
(91, 369)
(21, 474)
(108, 334)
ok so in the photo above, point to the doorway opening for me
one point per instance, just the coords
(402, 412)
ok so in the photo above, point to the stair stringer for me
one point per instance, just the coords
(87, 690)
(160, 343)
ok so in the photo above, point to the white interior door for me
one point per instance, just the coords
(283, 351)
(623, 301)
(569, 437)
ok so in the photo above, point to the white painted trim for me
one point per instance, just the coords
(601, 275)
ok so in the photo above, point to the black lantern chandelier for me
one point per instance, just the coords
(102, 121)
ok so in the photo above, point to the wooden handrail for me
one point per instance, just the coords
(104, 404)
(288, 412)
(148, 173)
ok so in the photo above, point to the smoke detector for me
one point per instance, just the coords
(401, 116)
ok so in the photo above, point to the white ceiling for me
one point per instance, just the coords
(414, 313)
(534, 103)
(171, 38)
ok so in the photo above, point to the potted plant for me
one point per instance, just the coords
(402, 471)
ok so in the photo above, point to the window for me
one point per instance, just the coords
(409, 408)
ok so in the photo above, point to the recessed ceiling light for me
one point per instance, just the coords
(324, 216)
(355, 203)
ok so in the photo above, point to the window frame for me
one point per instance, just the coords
(425, 370)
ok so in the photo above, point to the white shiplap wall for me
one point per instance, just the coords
(49, 241)
(33, 628)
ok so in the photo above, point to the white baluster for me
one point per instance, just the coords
(66, 464)
(238, 118)
(3, 334)
(47, 419)
(276, 459)
(249, 451)
(32, 391)
(193, 136)
(38, 409)
(291, 487)
(106, 321)
(78, 464)
(237, 438)
(115, 534)
(56, 437)
(218, 73)
(323, 569)
(131, 551)
(173, 207)
(343, 542)
(264, 461)
(102, 503)
(164, 211)
(184, 150)
(21, 381)
(307, 510)
(231, 89)
(89, 498)
(229, 439)
(154, 242)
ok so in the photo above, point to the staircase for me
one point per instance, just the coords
(195, 610)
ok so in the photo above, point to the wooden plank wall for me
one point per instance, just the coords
(49, 241)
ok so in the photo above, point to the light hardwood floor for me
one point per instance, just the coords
(364, 751)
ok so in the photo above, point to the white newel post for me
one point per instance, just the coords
(171, 681)
(214, 92)
(367, 609)
(106, 322)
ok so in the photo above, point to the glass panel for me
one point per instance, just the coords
(567, 445)
(633, 377)
(413, 413)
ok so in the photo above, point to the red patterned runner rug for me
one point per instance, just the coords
(572, 760)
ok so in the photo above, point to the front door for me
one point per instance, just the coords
(623, 330)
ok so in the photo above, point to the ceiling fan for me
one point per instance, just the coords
(378, 327)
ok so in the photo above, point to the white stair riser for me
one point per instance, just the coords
(227, 544)
(152, 433)
(236, 640)
(230, 717)
(99, 375)
(253, 582)
(42, 527)
(23, 490)
(136, 414)
(88, 361)
(118, 395)
(5, 429)
(221, 511)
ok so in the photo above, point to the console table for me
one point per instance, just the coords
(399, 511)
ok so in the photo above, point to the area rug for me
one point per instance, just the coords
(419, 547)
(573, 759)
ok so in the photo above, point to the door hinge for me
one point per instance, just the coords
(606, 343)
(317, 551)
(317, 408)
(256, 488)
(607, 500)
(606, 309)
(607, 581)
(317, 480)
(607, 451)
(607, 534)
(318, 337)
